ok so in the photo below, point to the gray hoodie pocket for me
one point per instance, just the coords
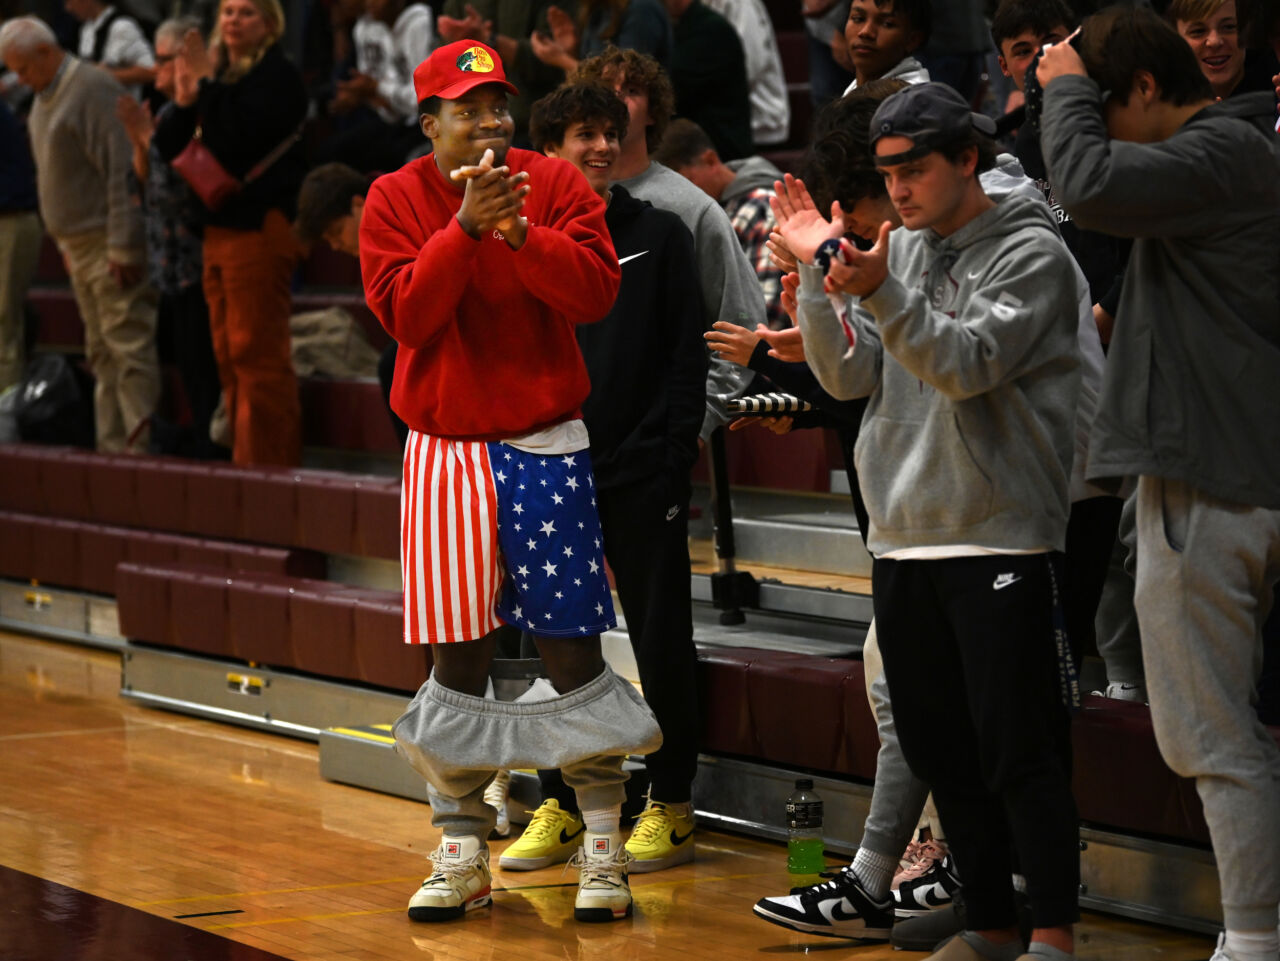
(922, 477)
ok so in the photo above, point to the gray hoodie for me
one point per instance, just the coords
(750, 173)
(974, 378)
(1192, 388)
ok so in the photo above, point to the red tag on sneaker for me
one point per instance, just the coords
(600, 846)
(452, 849)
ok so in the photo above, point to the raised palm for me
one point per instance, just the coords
(801, 224)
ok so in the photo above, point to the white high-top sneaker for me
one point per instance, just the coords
(603, 891)
(459, 881)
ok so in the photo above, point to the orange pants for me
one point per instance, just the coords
(246, 282)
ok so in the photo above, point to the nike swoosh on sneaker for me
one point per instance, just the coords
(838, 912)
(677, 839)
(936, 896)
(565, 838)
(623, 260)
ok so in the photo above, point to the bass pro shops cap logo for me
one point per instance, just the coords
(475, 60)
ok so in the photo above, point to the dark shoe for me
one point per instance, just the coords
(927, 886)
(839, 908)
(926, 932)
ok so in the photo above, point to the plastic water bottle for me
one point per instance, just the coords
(804, 830)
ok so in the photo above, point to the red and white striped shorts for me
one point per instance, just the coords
(482, 546)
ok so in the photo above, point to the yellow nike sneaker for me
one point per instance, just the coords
(661, 838)
(551, 837)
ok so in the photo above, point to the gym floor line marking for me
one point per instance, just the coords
(398, 909)
(74, 732)
(254, 894)
(207, 914)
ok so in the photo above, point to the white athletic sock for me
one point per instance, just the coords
(603, 820)
(466, 847)
(1253, 945)
(875, 871)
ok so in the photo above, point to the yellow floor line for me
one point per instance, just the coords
(308, 917)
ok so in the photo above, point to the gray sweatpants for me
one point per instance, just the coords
(898, 797)
(457, 741)
(1206, 570)
(1116, 623)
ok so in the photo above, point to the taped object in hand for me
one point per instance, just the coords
(767, 405)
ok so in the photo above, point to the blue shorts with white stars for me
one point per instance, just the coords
(554, 582)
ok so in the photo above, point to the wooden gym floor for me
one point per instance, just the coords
(128, 834)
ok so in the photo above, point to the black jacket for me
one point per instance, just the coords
(646, 358)
(1101, 257)
(241, 123)
(709, 73)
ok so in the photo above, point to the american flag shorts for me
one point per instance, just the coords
(493, 534)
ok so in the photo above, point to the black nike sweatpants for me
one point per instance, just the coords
(646, 542)
(974, 678)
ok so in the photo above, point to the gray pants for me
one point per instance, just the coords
(457, 741)
(898, 797)
(1119, 641)
(1206, 570)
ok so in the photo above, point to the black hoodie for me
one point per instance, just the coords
(647, 359)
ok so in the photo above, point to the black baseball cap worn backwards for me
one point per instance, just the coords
(930, 115)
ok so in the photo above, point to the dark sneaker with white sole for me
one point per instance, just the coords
(928, 888)
(839, 908)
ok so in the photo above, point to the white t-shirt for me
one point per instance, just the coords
(126, 45)
(390, 54)
(767, 87)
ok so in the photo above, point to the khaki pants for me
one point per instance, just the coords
(120, 344)
(20, 235)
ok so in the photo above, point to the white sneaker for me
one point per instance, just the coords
(495, 795)
(459, 881)
(603, 891)
(1136, 693)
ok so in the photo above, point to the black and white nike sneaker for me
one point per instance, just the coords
(931, 889)
(839, 908)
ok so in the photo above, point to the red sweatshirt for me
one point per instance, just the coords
(487, 348)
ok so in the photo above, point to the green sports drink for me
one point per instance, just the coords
(804, 830)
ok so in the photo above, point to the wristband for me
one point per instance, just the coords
(826, 250)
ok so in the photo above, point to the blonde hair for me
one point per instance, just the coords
(230, 71)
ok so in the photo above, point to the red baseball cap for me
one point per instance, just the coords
(456, 67)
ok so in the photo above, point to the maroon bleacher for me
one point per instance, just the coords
(240, 575)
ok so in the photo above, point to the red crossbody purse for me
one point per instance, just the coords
(205, 174)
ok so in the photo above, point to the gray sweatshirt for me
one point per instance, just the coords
(730, 290)
(1192, 387)
(83, 159)
(973, 375)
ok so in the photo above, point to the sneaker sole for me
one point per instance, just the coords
(532, 864)
(823, 930)
(598, 915)
(644, 865)
(903, 914)
(430, 915)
